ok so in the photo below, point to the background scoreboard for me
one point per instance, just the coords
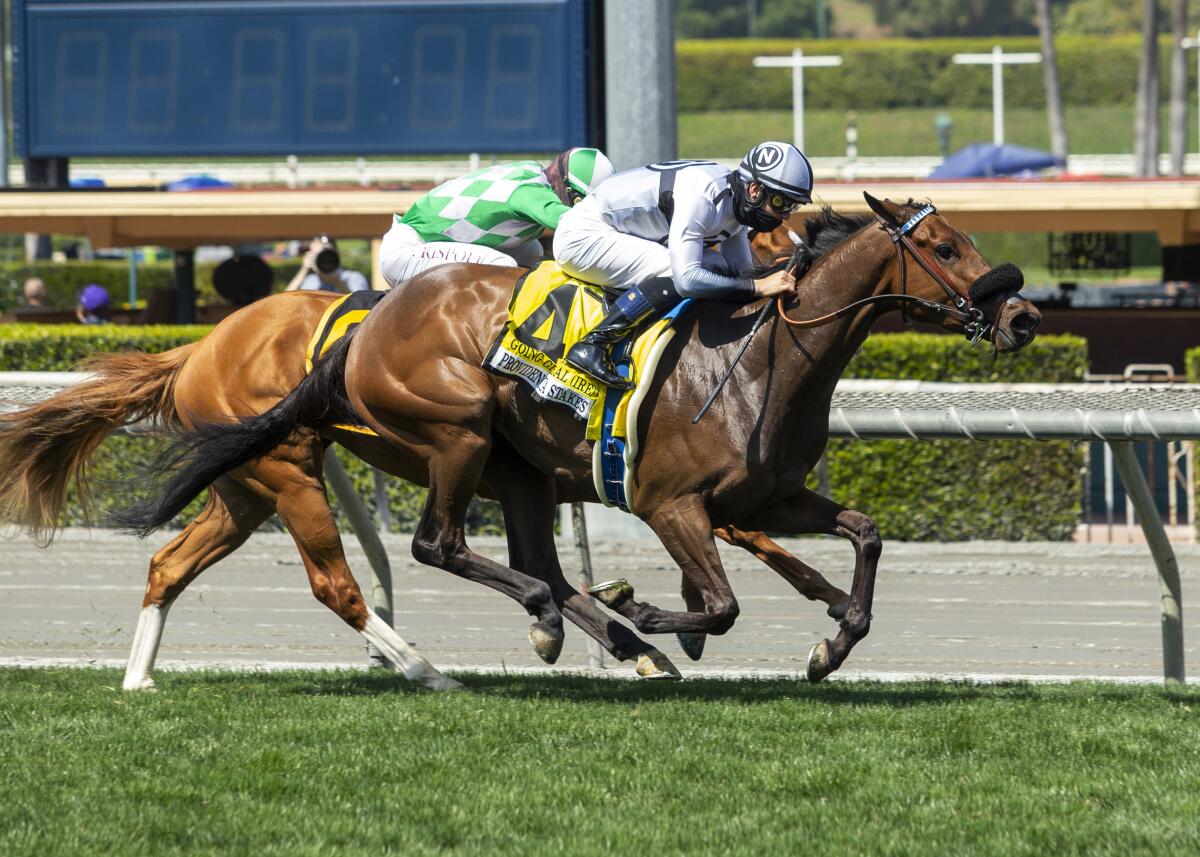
(246, 77)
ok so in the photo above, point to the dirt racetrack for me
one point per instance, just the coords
(980, 609)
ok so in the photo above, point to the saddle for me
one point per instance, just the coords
(549, 312)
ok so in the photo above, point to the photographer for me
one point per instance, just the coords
(322, 270)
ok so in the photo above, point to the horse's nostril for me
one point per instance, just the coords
(1024, 322)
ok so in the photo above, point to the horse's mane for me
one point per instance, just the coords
(821, 234)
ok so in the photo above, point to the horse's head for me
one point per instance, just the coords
(971, 296)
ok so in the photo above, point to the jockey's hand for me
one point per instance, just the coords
(779, 283)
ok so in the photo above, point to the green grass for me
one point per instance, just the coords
(1090, 130)
(322, 763)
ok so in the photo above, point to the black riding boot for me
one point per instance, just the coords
(591, 354)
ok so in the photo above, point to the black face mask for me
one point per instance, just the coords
(747, 212)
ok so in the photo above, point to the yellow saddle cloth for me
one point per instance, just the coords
(339, 318)
(549, 312)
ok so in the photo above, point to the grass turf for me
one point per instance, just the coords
(320, 763)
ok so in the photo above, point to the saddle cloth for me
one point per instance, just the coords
(339, 318)
(549, 312)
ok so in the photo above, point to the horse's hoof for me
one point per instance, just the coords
(439, 683)
(837, 612)
(612, 593)
(144, 683)
(692, 643)
(655, 665)
(820, 662)
(547, 645)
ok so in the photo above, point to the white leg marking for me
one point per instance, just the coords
(415, 668)
(146, 638)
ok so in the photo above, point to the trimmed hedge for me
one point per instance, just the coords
(884, 73)
(65, 280)
(59, 347)
(954, 490)
(941, 490)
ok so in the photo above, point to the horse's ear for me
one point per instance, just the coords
(880, 208)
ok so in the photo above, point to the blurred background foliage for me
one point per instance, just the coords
(866, 19)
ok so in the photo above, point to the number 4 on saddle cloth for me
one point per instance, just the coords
(548, 313)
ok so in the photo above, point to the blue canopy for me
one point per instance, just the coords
(198, 181)
(987, 159)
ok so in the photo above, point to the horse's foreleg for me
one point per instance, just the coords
(804, 579)
(303, 506)
(528, 499)
(686, 533)
(230, 516)
(809, 512)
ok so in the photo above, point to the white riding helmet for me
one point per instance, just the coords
(781, 167)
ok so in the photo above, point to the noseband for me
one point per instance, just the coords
(975, 324)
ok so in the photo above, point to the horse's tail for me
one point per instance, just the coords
(196, 459)
(46, 448)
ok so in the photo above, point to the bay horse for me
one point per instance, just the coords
(412, 372)
(245, 366)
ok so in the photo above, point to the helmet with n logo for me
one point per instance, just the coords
(781, 167)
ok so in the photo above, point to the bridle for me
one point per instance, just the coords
(975, 324)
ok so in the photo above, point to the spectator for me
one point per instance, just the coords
(35, 293)
(93, 305)
(322, 270)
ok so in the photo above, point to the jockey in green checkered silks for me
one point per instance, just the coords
(493, 216)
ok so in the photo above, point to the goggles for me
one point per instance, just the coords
(785, 205)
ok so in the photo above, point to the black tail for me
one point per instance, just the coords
(196, 459)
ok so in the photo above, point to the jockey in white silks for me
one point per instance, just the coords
(493, 216)
(650, 230)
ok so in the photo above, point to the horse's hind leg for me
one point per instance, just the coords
(455, 466)
(528, 498)
(302, 505)
(230, 516)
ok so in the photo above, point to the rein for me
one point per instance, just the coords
(973, 319)
(975, 323)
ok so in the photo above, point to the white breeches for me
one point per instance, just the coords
(588, 247)
(402, 254)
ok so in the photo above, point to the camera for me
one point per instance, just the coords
(328, 259)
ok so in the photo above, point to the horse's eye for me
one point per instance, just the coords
(945, 252)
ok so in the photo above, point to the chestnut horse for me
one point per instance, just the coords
(250, 361)
(412, 372)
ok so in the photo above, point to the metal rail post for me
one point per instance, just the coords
(1164, 559)
(579, 525)
(372, 545)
